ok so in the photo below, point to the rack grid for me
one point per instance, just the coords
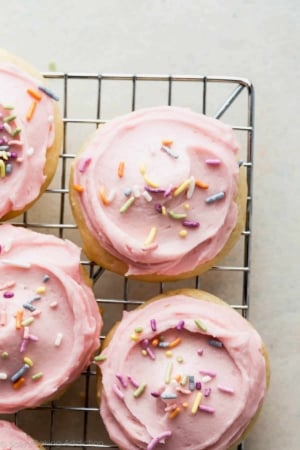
(87, 101)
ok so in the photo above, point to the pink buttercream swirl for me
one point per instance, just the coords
(202, 399)
(169, 209)
(12, 438)
(49, 319)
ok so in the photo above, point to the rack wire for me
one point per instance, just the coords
(87, 101)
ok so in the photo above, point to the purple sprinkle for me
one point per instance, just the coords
(84, 164)
(207, 392)
(13, 155)
(158, 207)
(198, 385)
(133, 382)
(145, 343)
(206, 408)
(32, 337)
(155, 441)
(0, 248)
(155, 190)
(213, 162)
(191, 223)
(150, 353)
(155, 394)
(180, 325)
(8, 294)
(121, 379)
(200, 351)
(153, 324)
(168, 191)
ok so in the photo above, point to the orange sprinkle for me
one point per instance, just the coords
(167, 142)
(201, 185)
(185, 404)
(175, 343)
(36, 95)
(174, 413)
(178, 378)
(78, 187)
(103, 196)
(31, 110)
(155, 342)
(19, 383)
(121, 169)
(19, 319)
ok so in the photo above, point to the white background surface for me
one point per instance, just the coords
(254, 39)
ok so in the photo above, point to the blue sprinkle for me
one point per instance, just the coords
(29, 307)
(48, 92)
(46, 278)
(191, 383)
(127, 192)
(168, 396)
(163, 344)
(215, 197)
(16, 376)
(215, 343)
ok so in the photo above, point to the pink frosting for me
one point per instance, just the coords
(23, 184)
(224, 355)
(202, 149)
(41, 281)
(12, 438)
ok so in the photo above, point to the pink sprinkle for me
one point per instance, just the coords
(213, 162)
(160, 438)
(133, 382)
(206, 408)
(7, 285)
(180, 325)
(37, 312)
(170, 407)
(183, 391)
(200, 351)
(8, 294)
(23, 345)
(150, 353)
(15, 142)
(168, 191)
(153, 324)
(32, 337)
(26, 333)
(207, 392)
(225, 389)
(84, 164)
(53, 304)
(121, 379)
(208, 372)
(118, 392)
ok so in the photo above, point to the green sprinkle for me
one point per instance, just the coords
(52, 66)
(200, 325)
(127, 205)
(138, 392)
(27, 322)
(37, 376)
(100, 358)
(9, 118)
(9, 107)
(177, 216)
(4, 355)
(138, 330)
(179, 359)
(16, 132)
(169, 373)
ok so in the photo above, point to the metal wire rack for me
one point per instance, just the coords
(90, 99)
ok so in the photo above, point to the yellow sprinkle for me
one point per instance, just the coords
(31, 110)
(183, 233)
(144, 352)
(28, 361)
(187, 206)
(40, 290)
(127, 204)
(196, 402)
(174, 413)
(78, 187)
(182, 187)
(164, 211)
(150, 236)
(169, 353)
(134, 337)
(168, 373)
(143, 169)
(2, 169)
(150, 182)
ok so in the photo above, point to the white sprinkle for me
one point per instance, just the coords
(7, 246)
(50, 119)
(58, 339)
(136, 191)
(7, 128)
(191, 188)
(111, 195)
(3, 376)
(206, 379)
(147, 196)
(15, 263)
(30, 151)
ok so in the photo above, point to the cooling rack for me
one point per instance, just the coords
(86, 101)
